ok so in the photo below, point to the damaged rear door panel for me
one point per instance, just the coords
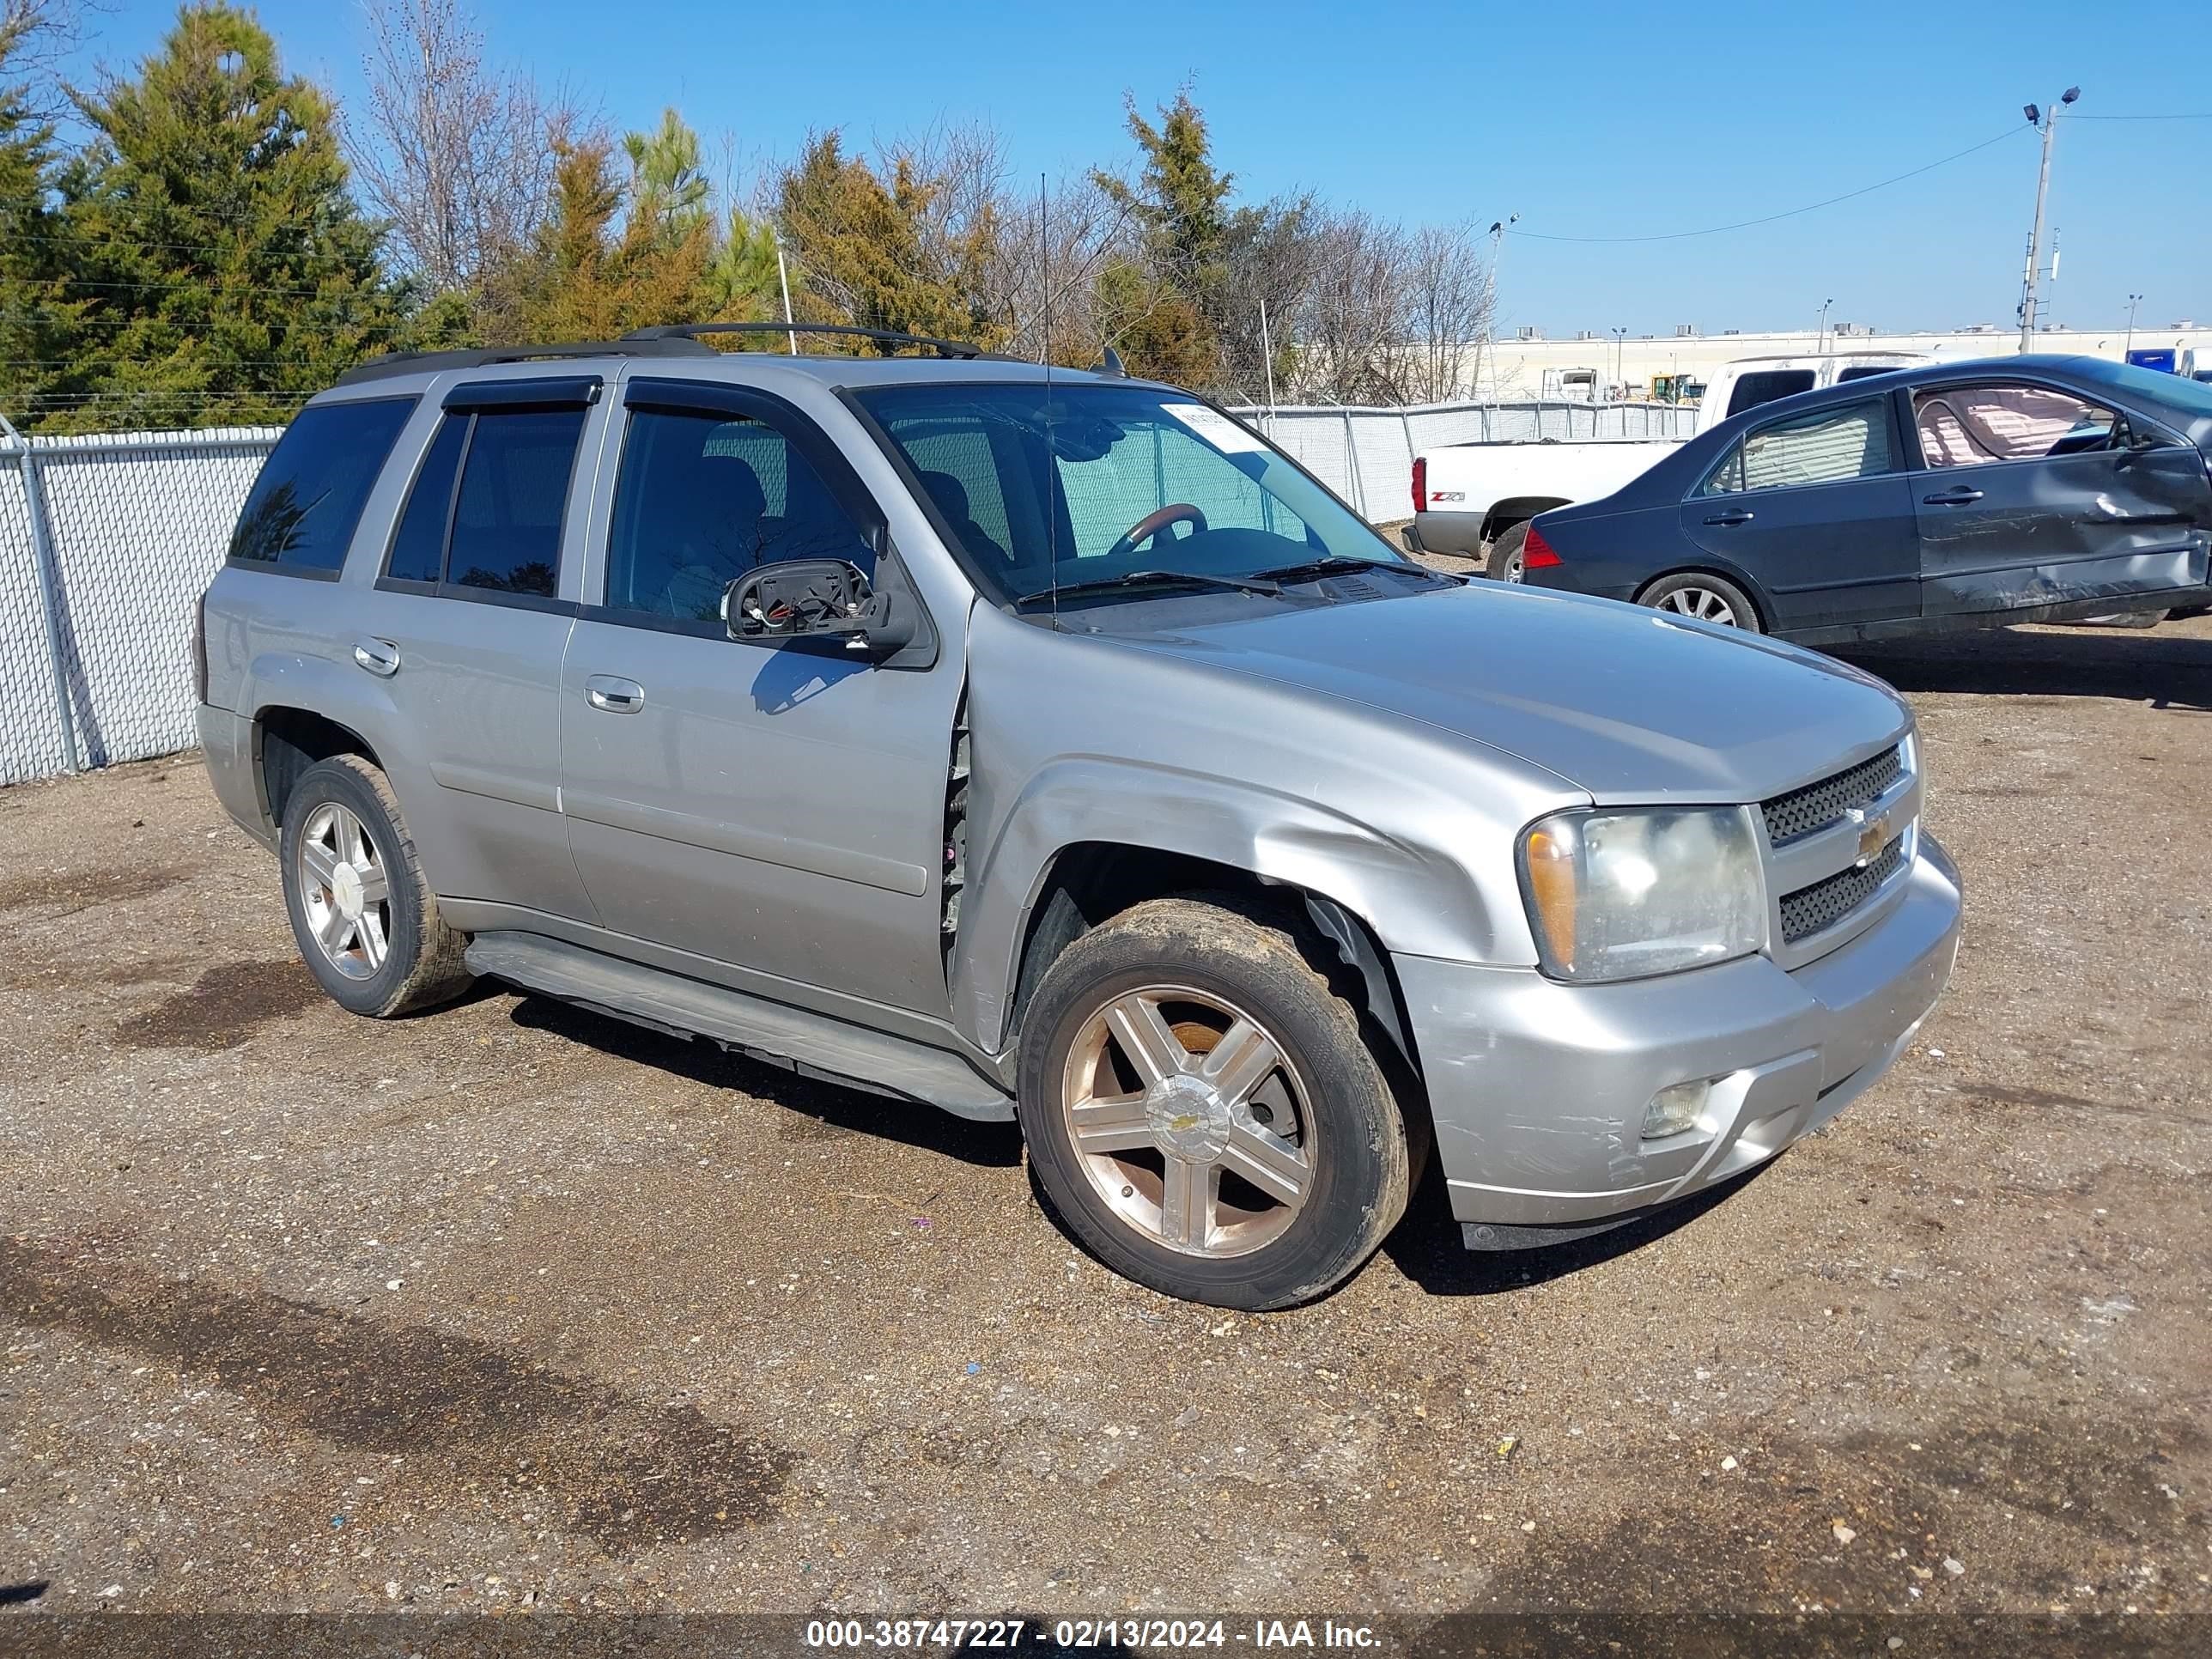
(2101, 507)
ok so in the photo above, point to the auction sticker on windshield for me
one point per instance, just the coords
(1217, 428)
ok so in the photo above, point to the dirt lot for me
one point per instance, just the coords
(510, 1305)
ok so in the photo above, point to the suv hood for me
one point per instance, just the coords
(1621, 701)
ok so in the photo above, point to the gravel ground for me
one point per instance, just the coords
(511, 1306)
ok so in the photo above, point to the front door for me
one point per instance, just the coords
(1815, 509)
(2031, 494)
(781, 810)
(467, 624)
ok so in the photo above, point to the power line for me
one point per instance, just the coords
(2205, 115)
(1810, 207)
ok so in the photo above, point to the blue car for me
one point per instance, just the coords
(1951, 495)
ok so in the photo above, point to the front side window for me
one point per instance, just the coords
(302, 510)
(703, 499)
(1090, 483)
(1972, 425)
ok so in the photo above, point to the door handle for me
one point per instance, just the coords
(379, 657)
(1957, 495)
(613, 696)
(1734, 515)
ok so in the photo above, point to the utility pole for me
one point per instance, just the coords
(2048, 120)
(2134, 300)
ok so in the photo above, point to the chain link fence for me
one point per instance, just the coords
(106, 542)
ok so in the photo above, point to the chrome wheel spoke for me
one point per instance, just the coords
(1188, 1194)
(1269, 1163)
(1244, 1059)
(353, 845)
(319, 862)
(1142, 1032)
(375, 890)
(1117, 1123)
(370, 932)
(333, 929)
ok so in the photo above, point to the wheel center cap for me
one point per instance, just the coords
(346, 892)
(1188, 1118)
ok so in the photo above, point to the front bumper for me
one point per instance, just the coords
(1538, 1089)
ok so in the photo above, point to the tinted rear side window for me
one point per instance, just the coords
(515, 491)
(301, 513)
(1766, 385)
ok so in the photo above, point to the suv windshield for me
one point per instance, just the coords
(1102, 483)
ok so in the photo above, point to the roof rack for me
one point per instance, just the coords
(693, 331)
(425, 363)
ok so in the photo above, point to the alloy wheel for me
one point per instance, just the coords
(1190, 1121)
(1701, 603)
(345, 891)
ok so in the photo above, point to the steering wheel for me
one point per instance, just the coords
(1154, 522)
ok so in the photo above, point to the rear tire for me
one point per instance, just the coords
(1703, 597)
(1201, 1108)
(365, 922)
(1504, 563)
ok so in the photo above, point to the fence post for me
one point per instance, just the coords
(1351, 460)
(42, 562)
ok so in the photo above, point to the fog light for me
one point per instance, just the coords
(1674, 1109)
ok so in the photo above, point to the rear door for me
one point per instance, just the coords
(468, 621)
(2029, 493)
(1815, 509)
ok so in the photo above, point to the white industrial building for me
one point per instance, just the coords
(1599, 365)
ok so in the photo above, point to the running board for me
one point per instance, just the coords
(811, 1043)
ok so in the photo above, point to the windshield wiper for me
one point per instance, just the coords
(1151, 578)
(1338, 564)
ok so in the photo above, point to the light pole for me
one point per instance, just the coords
(1620, 350)
(2134, 300)
(1498, 229)
(1822, 335)
(2047, 119)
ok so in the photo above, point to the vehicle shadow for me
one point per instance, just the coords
(2164, 667)
(1427, 1247)
(993, 1144)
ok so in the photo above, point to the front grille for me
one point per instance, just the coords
(1828, 901)
(1817, 805)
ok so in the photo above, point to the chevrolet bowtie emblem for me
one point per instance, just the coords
(1874, 836)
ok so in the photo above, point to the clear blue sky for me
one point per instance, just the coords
(1587, 120)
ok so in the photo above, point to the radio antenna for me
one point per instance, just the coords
(1044, 356)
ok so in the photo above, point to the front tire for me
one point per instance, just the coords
(365, 922)
(1703, 597)
(1201, 1108)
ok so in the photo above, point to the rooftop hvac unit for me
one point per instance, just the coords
(1686, 330)
(1585, 334)
(1528, 333)
(1731, 330)
(1853, 329)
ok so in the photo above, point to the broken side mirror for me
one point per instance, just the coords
(817, 598)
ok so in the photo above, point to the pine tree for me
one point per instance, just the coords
(38, 330)
(227, 273)
(1166, 320)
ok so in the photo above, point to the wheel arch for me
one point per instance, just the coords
(1517, 509)
(287, 741)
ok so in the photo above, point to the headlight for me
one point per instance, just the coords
(1621, 895)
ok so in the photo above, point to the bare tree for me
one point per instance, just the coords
(452, 150)
(1446, 308)
(1351, 340)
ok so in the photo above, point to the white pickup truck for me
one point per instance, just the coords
(1476, 499)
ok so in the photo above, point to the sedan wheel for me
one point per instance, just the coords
(1189, 1121)
(1700, 602)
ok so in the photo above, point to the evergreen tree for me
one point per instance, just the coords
(226, 271)
(668, 191)
(1166, 320)
(37, 332)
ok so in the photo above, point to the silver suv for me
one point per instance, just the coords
(1050, 747)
